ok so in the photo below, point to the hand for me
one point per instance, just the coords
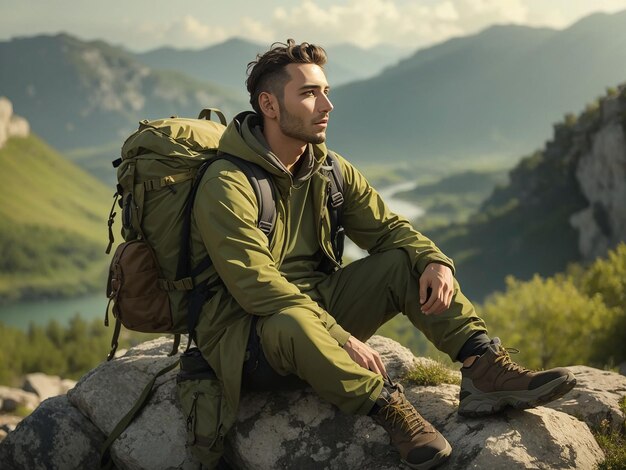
(365, 356)
(436, 278)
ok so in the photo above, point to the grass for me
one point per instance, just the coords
(52, 223)
(432, 373)
(612, 442)
(43, 188)
(22, 411)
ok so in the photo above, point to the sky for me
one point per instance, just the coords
(142, 25)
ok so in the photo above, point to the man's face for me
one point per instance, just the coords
(304, 107)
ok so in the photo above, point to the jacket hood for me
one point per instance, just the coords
(244, 138)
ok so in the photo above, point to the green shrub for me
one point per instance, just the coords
(550, 321)
(613, 443)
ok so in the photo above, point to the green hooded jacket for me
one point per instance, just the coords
(263, 277)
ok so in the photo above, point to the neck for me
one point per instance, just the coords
(286, 149)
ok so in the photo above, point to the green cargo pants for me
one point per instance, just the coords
(361, 297)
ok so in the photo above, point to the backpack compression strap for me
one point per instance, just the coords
(105, 453)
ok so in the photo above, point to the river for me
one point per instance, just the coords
(40, 312)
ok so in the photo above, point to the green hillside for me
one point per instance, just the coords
(52, 223)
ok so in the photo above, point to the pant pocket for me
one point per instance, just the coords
(200, 397)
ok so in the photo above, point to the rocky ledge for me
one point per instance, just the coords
(297, 430)
(36, 388)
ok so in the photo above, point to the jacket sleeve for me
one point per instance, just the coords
(226, 213)
(372, 226)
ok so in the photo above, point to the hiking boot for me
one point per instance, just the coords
(494, 382)
(418, 442)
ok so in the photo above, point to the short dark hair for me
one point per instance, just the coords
(267, 72)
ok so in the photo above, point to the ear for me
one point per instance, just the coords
(268, 104)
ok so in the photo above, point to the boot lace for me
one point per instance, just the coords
(404, 414)
(505, 361)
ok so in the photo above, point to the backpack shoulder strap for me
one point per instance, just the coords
(335, 205)
(264, 192)
(263, 189)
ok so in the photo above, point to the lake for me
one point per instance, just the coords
(40, 312)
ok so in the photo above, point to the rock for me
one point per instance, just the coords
(11, 125)
(18, 127)
(398, 359)
(295, 429)
(105, 395)
(595, 398)
(6, 111)
(8, 423)
(67, 385)
(601, 174)
(11, 398)
(311, 434)
(55, 437)
(45, 386)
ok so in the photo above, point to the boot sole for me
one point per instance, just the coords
(479, 403)
(437, 460)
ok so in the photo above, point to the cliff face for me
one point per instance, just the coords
(10, 124)
(564, 203)
(583, 167)
(601, 174)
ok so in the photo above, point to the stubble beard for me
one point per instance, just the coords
(294, 127)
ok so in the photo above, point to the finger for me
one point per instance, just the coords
(376, 367)
(381, 365)
(426, 307)
(423, 289)
(449, 299)
(436, 308)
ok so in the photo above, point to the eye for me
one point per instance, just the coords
(309, 93)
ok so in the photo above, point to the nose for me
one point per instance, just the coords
(325, 106)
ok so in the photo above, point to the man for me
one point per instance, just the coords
(281, 317)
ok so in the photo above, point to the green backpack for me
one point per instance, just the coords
(151, 285)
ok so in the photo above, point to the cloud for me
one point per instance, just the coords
(406, 23)
(184, 32)
(369, 22)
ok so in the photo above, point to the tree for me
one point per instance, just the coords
(549, 320)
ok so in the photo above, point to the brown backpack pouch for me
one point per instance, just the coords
(134, 286)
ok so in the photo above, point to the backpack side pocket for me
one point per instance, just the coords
(134, 285)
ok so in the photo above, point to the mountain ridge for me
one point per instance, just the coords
(493, 93)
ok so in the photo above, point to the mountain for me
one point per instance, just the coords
(565, 203)
(494, 93)
(90, 95)
(225, 63)
(52, 223)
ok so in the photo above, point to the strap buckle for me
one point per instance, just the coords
(265, 226)
(336, 199)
